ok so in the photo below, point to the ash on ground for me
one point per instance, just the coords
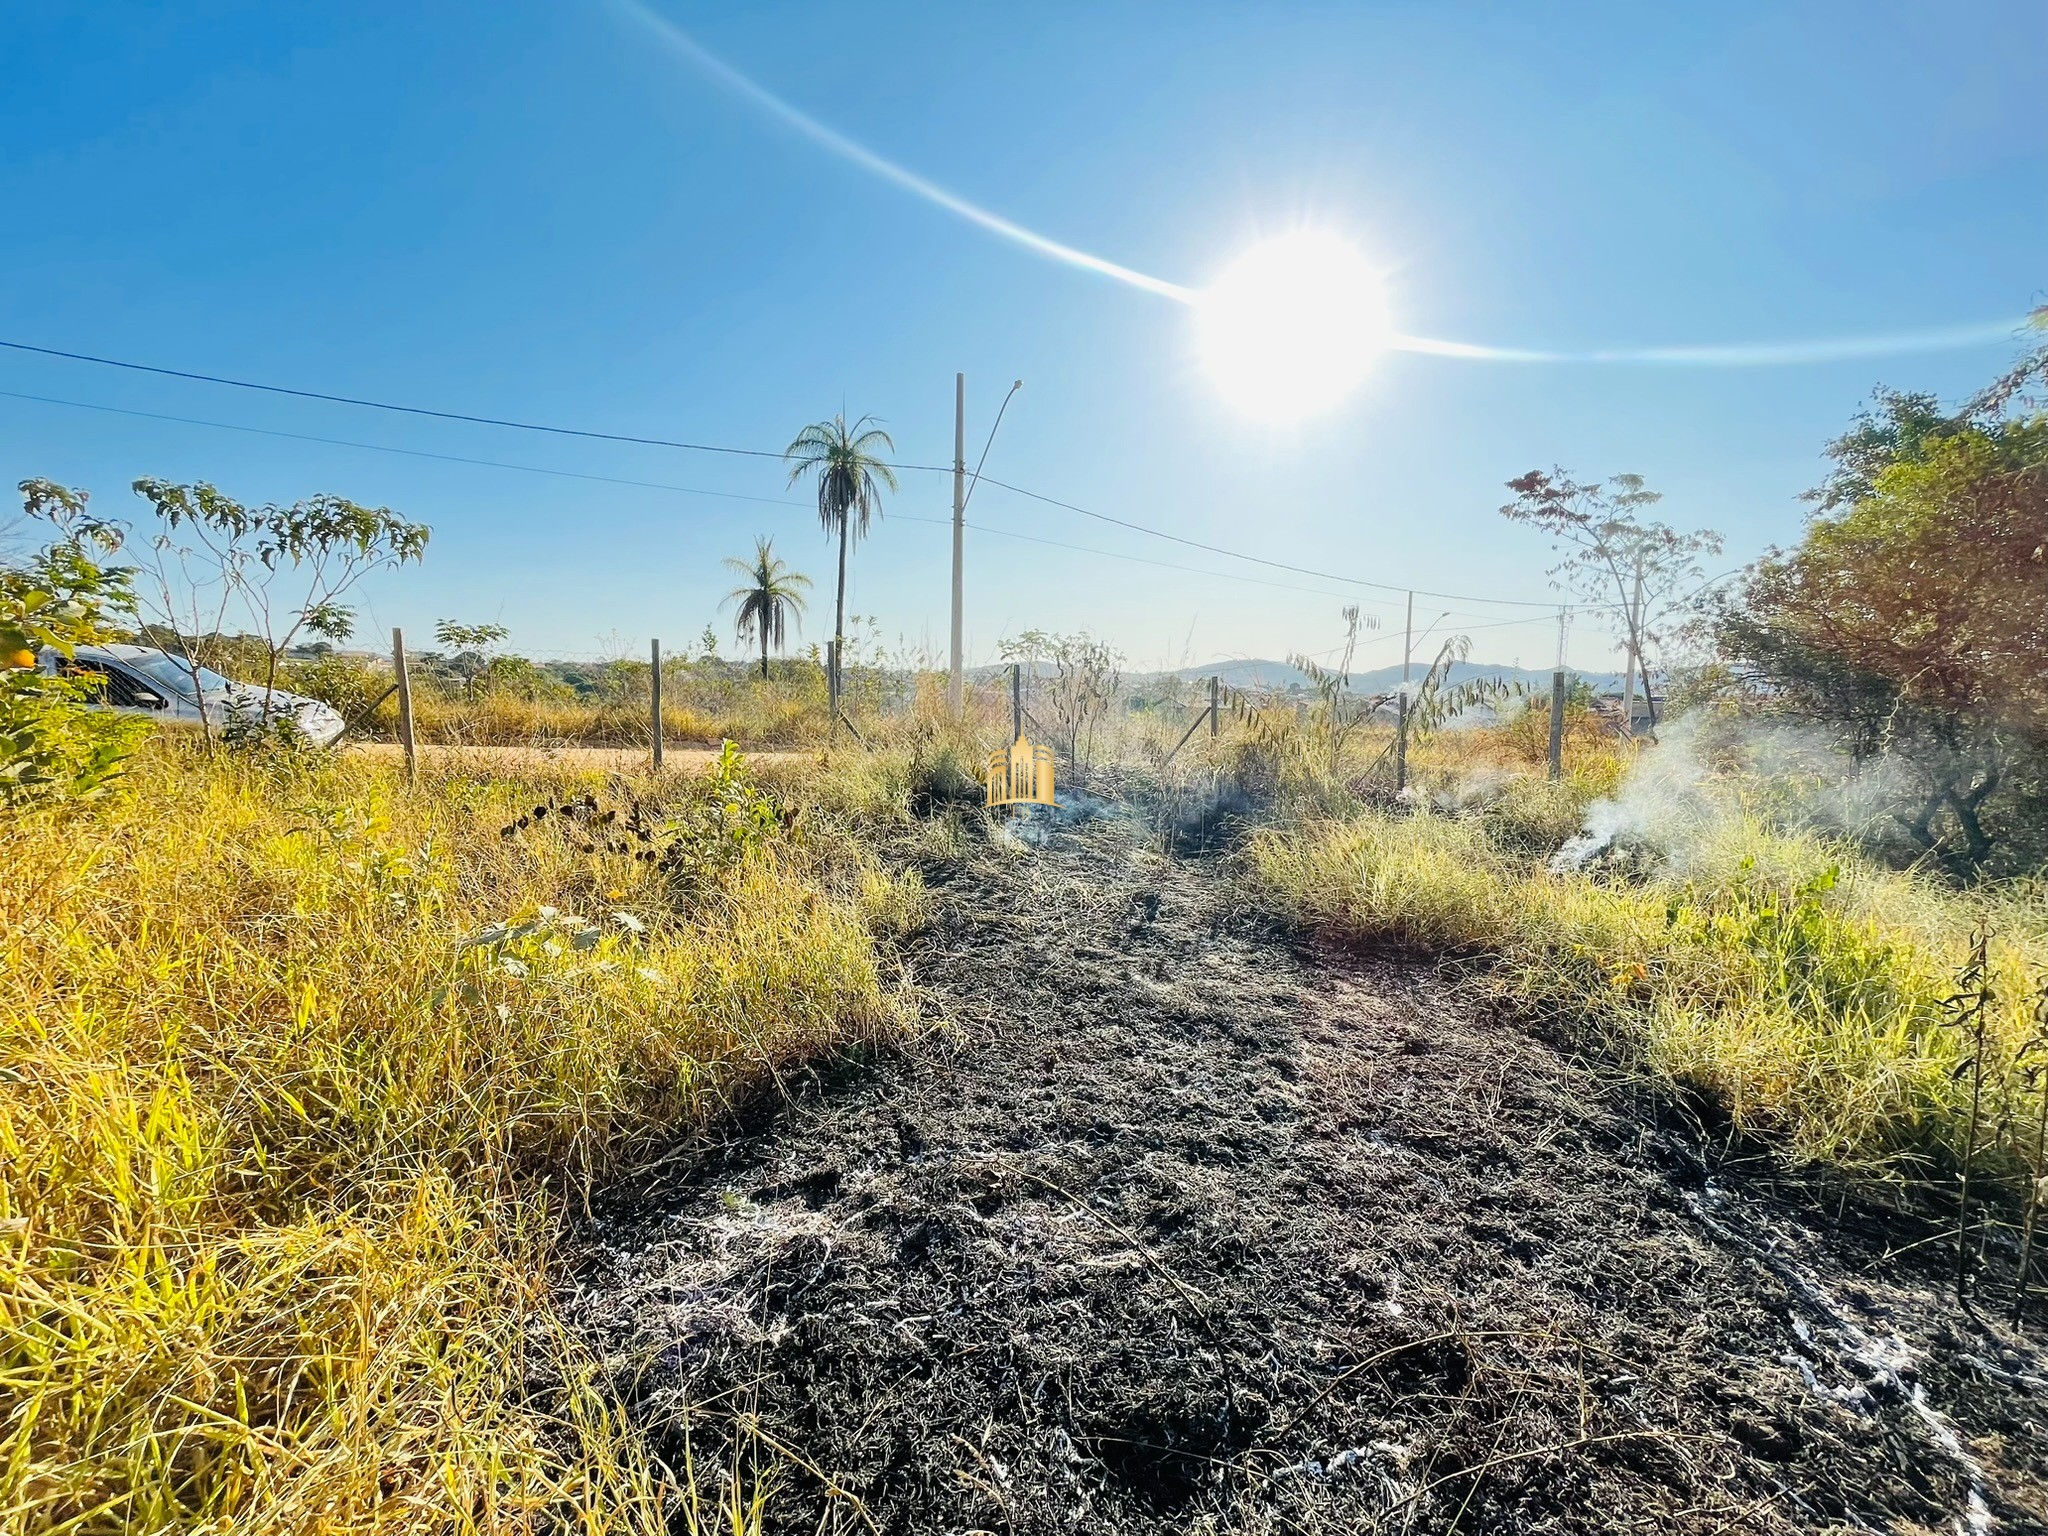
(1171, 1224)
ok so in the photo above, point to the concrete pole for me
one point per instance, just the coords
(955, 682)
(655, 677)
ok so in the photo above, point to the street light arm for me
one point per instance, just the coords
(988, 445)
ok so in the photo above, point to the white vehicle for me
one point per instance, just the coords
(140, 680)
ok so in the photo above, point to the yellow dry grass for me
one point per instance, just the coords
(1797, 984)
(281, 1156)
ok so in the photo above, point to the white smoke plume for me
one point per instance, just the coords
(1705, 770)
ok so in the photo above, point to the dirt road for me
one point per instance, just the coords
(1179, 1226)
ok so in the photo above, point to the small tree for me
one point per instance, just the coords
(1610, 552)
(1913, 618)
(282, 570)
(1336, 716)
(59, 598)
(771, 597)
(472, 664)
(1085, 677)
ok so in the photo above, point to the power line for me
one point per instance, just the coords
(407, 410)
(411, 453)
(756, 453)
(649, 485)
(1110, 554)
(1302, 570)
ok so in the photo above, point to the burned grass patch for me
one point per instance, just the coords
(1180, 1226)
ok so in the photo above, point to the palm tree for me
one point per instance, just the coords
(773, 595)
(850, 481)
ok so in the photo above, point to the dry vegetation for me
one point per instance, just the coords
(301, 1065)
(702, 702)
(1802, 988)
(287, 1146)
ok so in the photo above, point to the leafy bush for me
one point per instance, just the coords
(52, 747)
(1911, 620)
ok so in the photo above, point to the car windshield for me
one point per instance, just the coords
(174, 674)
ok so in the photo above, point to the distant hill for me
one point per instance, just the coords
(1280, 675)
(1283, 676)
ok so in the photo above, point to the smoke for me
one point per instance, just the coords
(1474, 790)
(1707, 771)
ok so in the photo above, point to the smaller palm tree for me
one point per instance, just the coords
(772, 597)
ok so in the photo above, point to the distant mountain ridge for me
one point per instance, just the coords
(1384, 679)
(1283, 676)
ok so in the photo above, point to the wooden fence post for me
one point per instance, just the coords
(832, 686)
(1214, 725)
(1016, 700)
(412, 767)
(1401, 745)
(1557, 724)
(656, 678)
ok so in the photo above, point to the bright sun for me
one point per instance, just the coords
(1293, 325)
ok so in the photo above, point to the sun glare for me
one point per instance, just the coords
(1293, 325)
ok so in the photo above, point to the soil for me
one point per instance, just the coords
(1175, 1222)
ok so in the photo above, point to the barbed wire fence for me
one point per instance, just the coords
(648, 696)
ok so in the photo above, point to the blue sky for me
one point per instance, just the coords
(536, 210)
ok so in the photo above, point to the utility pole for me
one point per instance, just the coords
(1401, 727)
(955, 683)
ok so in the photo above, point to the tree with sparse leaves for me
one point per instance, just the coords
(1611, 553)
(282, 571)
(1085, 676)
(472, 664)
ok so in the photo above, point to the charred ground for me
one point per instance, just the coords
(1173, 1223)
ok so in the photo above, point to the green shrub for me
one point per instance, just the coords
(53, 747)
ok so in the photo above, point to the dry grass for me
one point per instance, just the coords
(1800, 986)
(786, 711)
(283, 1154)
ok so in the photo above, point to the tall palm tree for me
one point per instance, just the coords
(851, 475)
(773, 595)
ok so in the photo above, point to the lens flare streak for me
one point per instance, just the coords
(847, 149)
(1740, 355)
